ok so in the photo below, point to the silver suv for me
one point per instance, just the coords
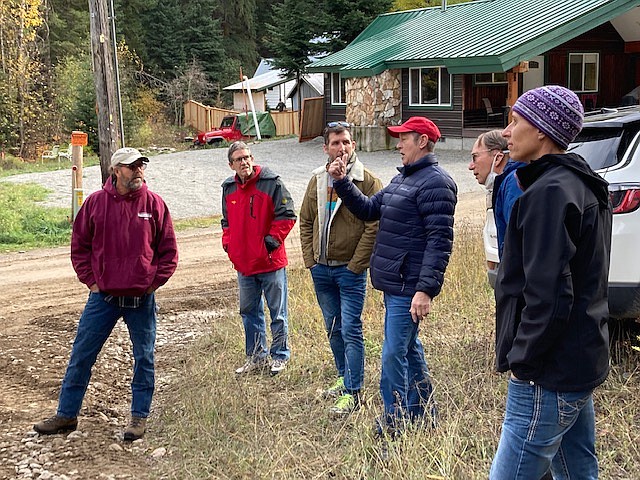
(610, 143)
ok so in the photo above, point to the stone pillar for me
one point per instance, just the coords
(372, 104)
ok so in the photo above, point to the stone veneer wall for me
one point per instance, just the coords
(374, 101)
(372, 104)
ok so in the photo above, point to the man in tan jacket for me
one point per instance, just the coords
(336, 247)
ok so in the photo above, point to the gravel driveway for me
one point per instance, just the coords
(189, 181)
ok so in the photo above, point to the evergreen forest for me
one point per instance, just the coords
(168, 51)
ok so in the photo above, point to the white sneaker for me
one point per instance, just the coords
(252, 364)
(277, 366)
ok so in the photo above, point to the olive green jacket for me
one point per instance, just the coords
(350, 239)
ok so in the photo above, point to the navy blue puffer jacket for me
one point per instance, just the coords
(415, 235)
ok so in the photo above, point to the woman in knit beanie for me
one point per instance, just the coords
(553, 110)
(551, 295)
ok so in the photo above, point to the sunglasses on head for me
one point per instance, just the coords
(339, 124)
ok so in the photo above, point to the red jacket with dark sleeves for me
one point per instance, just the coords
(124, 243)
(251, 211)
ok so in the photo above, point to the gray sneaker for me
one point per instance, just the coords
(135, 430)
(252, 364)
(56, 424)
(277, 366)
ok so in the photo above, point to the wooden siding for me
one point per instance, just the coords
(617, 70)
(448, 119)
(332, 113)
(473, 94)
(307, 92)
(475, 113)
(241, 101)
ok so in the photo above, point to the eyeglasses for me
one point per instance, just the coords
(339, 124)
(244, 158)
(476, 154)
(134, 166)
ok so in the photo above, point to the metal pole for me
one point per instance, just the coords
(253, 108)
(112, 15)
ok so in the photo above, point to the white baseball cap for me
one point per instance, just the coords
(126, 156)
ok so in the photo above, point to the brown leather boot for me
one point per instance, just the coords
(135, 429)
(56, 424)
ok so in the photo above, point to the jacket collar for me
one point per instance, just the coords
(428, 160)
(254, 178)
(528, 174)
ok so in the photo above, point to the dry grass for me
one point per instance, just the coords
(257, 426)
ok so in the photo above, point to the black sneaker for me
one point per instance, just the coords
(56, 424)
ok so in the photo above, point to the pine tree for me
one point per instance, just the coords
(347, 18)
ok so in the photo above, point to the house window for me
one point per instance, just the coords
(583, 72)
(490, 78)
(429, 86)
(338, 96)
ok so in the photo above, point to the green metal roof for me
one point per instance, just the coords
(473, 37)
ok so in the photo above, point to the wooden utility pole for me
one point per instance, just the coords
(103, 73)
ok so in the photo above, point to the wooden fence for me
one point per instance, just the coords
(312, 118)
(204, 118)
(286, 123)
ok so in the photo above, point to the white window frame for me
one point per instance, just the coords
(582, 88)
(493, 79)
(440, 102)
(342, 93)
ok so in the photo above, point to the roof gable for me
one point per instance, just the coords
(262, 82)
(473, 37)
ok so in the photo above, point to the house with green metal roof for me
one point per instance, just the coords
(463, 65)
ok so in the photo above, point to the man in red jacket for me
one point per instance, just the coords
(123, 248)
(257, 215)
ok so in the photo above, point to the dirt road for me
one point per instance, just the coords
(41, 300)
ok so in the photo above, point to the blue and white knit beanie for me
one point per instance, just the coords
(554, 110)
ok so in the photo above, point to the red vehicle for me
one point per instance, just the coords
(229, 131)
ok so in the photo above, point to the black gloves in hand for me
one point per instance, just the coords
(271, 243)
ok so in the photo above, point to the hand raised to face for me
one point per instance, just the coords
(337, 169)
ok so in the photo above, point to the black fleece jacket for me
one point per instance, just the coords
(551, 290)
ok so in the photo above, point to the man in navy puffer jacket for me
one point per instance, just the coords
(411, 253)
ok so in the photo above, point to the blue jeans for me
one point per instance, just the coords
(274, 287)
(340, 294)
(543, 429)
(404, 383)
(95, 326)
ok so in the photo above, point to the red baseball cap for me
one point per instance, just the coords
(420, 125)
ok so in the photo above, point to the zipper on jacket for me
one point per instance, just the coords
(251, 207)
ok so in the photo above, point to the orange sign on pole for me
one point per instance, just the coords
(79, 139)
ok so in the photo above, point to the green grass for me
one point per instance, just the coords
(24, 224)
(220, 426)
(14, 166)
(201, 222)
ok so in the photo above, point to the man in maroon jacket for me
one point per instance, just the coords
(257, 215)
(123, 248)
